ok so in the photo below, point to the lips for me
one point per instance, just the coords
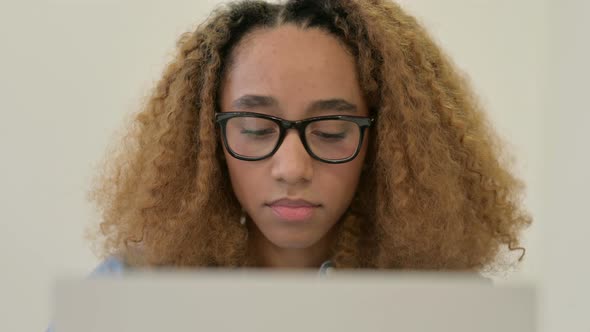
(293, 209)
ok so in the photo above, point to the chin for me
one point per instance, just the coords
(293, 241)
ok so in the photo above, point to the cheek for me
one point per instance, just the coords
(338, 183)
(341, 181)
(339, 176)
(244, 176)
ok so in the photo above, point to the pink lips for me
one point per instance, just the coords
(293, 210)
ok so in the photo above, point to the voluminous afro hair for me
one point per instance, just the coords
(436, 192)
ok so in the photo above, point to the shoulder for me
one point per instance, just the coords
(112, 265)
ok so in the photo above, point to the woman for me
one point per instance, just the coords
(306, 134)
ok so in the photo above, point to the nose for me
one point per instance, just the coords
(292, 164)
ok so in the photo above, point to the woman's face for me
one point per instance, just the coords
(293, 199)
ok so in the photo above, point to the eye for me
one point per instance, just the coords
(258, 133)
(329, 136)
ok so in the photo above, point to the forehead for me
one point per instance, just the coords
(294, 65)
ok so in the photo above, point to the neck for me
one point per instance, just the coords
(270, 255)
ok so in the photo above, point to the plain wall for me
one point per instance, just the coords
(72, 71)
(565, 228)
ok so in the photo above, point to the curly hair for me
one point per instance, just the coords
(436, 191)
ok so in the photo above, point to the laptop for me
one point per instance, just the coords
(213, 300)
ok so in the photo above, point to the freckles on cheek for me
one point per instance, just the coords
(341, 174)
(338, 182)
(247, 179)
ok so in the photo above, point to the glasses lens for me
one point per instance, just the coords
(333, 139)
(251, 137)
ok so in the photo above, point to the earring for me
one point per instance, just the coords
(243, 218)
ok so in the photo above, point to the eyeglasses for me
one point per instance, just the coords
(332, 139)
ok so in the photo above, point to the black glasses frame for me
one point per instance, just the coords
(363, 122)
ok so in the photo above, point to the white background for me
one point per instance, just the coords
(71, 72)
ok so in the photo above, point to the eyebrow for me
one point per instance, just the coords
(250, 102)
(335, 104)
